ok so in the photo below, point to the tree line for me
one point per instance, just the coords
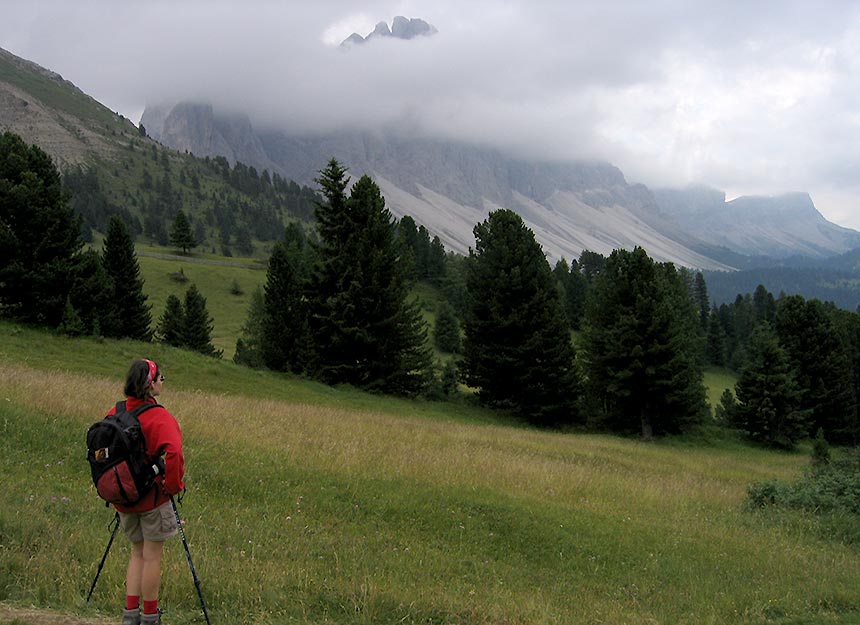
(616, 343)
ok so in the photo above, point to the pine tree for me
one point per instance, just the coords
(701, 300)
(285, 342)
(198, 326)
(133, 314)
(641, 347)
(517, 348)
(171, 326)
(90, 282)
(768, 397)
(71, 323)
(368, 332)
(181, 235)
(446, 332)
(716, 346)
(818, 353)
(40, 235)
(249, 345)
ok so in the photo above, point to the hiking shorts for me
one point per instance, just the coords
(156, 525)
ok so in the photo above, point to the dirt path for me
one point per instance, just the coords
(35, 616)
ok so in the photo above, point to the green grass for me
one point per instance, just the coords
(716, 382)
(308, 504)
(214, 280)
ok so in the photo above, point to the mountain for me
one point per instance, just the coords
(51, 112)
(449, 187)
(401, 28)
(779, 226)
(445, 185)
(112, 168)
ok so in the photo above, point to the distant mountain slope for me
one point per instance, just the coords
(53, 113)
(450, 187)
(110, 168)
(779, 226)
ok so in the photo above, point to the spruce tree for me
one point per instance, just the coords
(701, 300)
(368, 333)
(90, 282)
(198, 326)
(446, 331)
(817, 350)
(132, 312)
(171, 326)
(641, 348)
(716, 346)
(285, 341)
(40, 235)
(517, 348)
(768, 407)
(181, 235)
(250, 344)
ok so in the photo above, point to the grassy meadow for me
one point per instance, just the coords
(310, 504)
(215, 278)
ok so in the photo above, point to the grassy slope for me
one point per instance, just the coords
(214, 281)
(315, 505)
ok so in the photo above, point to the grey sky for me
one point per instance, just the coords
(757, 97)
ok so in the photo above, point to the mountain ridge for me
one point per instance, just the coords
(450, 186)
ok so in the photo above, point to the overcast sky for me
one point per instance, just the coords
(751, 97)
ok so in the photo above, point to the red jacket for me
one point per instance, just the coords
(163, 437)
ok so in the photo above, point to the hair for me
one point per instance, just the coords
(139, 377)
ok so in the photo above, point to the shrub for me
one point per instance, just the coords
(832, 487)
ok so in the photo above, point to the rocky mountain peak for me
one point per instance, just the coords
(401, 28)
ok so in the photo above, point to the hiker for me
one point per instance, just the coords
(151, 521)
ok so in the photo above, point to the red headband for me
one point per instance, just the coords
(152, 369)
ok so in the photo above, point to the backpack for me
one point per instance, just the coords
(116, 451)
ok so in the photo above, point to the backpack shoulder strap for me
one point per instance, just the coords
(143, 408)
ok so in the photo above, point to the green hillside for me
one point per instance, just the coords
(111, 168)
(309, 504)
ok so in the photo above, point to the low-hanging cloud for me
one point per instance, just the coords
(749, 97)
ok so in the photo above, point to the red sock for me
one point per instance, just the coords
(150, 607)
(132, 602)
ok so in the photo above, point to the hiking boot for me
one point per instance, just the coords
(131, 617)
(151, 619)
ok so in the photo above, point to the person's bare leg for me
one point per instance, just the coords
(151, 570)
(134, 575)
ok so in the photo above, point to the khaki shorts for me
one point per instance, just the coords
(155, 525)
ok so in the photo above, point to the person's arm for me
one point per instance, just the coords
(170, 447)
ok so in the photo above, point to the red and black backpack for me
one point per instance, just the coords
(116, 451)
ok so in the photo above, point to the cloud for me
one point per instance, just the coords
(750, 97)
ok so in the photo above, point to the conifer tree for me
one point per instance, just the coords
(171, 326)
(40, 235)
(367, 331)
(517, 348)
(198, 326)
(132, 312)
(285, 342)
(641, 349)
(181, 235)
(701, 300)
(817, 350)
(768, 397)
(446, 332)
(90, 282)
(250, 344)
(716, 346)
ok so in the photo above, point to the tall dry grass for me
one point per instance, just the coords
(320, 514)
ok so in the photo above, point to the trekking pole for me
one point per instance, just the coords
(190, 563)
(115, 523)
